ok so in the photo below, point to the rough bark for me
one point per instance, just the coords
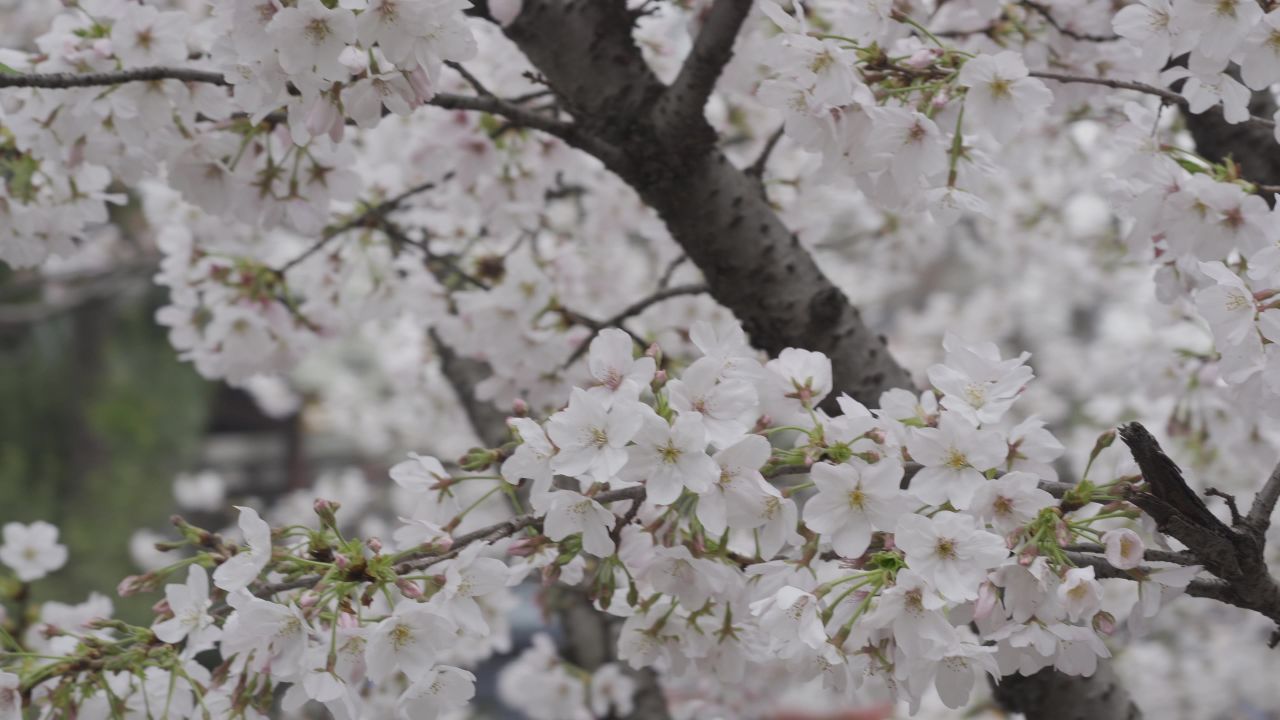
(1252, 148)
(752, 263)
(1049, 695)
(1235, 553)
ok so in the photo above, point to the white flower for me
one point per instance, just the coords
(1124, 548)
(913, 145)
(975, 382)
(311, 35)
(275, 634)
(913, 610)
(1080, 594)
(675, 571)
(1260, 65)
(571, 513)
(727, 348)
(801, 379)
(790, 620)
(441, 689)
(10, 696)
(739, 496)
(728, 407)
(32, 551)
(1221, 24)
(422, 32)
(1010, 501)
(1228, 306)
(955, 455)
(1001, 96)
(531, 459)
(144, 36)
(592, 438)
(409, 640)
(1207, 88)
(853, 499)
(1149, 25)
(956, 667)
(422, 476)
(364, 99)
(950, 551)
(611, 688)
(467, 577)
(670, 458)
(615, 368)
(243, 568)
(190, 604)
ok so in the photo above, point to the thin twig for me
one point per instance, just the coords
(472, 80)
(756, 169)
(630, 311)
(1231, 503)
(670, 272)
(364, 219)
(431, 556)
(1168, 96)
(1073, 34)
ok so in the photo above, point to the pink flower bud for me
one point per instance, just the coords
(986, 601)
(308, 600)
(374, 544)
(1104, 623)
(523, 547)
(1062, 533)
(921, 58)
(1027, 555)
(341, 561)
(409, 589)
(162, 607)
(520, 408)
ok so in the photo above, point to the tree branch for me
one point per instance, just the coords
(1047, 14)
(1264, 503)
(681, 107)
(369, 217)
(1233, 554)
(1168, 96)
(756, 169)
(631, 310)
(58, 81)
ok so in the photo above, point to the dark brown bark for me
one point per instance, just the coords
(752, 263)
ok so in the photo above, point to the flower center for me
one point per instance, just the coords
(945, 548)
(956, 459)
(317, 31)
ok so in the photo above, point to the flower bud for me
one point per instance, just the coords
(986, 601)
(520, 408)
(327, 510)
(374, 544)
(1104, 623)
(409, 588)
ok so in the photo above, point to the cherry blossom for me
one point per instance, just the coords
(32, 551)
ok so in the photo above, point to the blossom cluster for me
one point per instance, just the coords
(256, 146)
(724, 513)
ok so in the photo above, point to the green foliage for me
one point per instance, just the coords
(96, 417)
